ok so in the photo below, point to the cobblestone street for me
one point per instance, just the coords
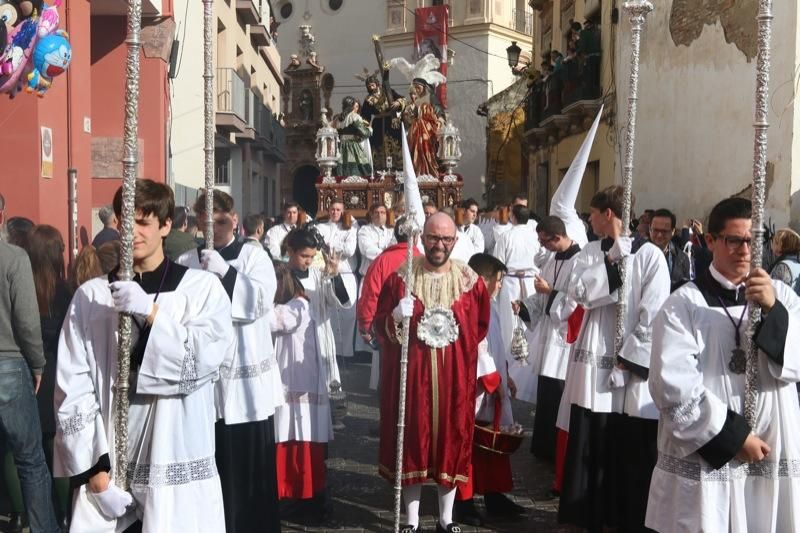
(362, 501)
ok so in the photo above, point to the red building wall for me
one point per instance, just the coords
(92, 89)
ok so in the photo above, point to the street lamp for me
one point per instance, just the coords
(513, 52)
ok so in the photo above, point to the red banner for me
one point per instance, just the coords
(430, 37)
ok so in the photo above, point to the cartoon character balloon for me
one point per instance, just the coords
(32, 48)
(51, 57)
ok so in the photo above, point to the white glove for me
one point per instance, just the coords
(130, 298)
(404, 309)
(112, 502)
(212, 262)
(621, 249)
(618, 378)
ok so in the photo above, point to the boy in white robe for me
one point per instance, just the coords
(326, 295)
(491, 471)
(342, 241)
(182, 335)
(715, 471)
(612, 427)
(470, 228)
(373, 239)
(303, 424)
(551, 311)
(250, 388)
(519, 249)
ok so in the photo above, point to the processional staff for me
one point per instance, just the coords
(411, 228)
(759, 189)
(638, 10)
(208, 95)
(130, 165)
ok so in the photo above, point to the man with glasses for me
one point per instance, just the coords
(449, 316)
(715, 470)
(662, 231)
(551, 311)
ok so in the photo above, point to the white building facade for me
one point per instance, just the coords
(249, 139)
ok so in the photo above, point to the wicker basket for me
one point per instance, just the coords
(487, 436)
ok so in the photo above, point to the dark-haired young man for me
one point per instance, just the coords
(277, 233)
(715, 471)
(181, 337)
(471, 231)
(250, 386)
(326, 294)
(612, 426)
(550, 310)
(662, 231)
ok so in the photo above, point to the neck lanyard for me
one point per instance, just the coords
(558, 270)
(738, 361)
(736, 324)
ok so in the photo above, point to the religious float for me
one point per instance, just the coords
(356, 147)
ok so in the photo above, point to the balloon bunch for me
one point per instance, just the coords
(32, 49)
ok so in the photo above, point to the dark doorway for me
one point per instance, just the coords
(304, 191)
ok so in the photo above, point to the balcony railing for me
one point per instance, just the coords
(231, 93)
(572, 80)
(251, 109)
(523, 21)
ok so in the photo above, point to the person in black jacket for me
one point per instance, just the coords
(662, 231)
(45, 248)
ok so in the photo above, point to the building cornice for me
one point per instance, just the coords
(461, 31)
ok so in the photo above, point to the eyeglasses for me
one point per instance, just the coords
(435, 239)
(734, 242)
(547, 240)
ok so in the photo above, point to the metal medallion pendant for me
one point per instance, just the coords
(738, 362)
(438, 327)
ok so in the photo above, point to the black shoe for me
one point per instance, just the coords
(408, 528)
(15, 523)
(465, 512)
(498, 504)
(452, 527)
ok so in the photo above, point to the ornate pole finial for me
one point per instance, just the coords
(638, 10)
(130, 164)
(208, 110)
(761, 125)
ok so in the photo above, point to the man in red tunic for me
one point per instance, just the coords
(449, 313)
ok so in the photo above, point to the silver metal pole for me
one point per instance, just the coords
(210, 128)
(72, 175)
(412, 230)
(638, 10)
(759, 189)
(129, 174)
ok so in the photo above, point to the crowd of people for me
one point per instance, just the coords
(236, 351)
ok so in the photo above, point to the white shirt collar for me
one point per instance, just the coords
(722, 280)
